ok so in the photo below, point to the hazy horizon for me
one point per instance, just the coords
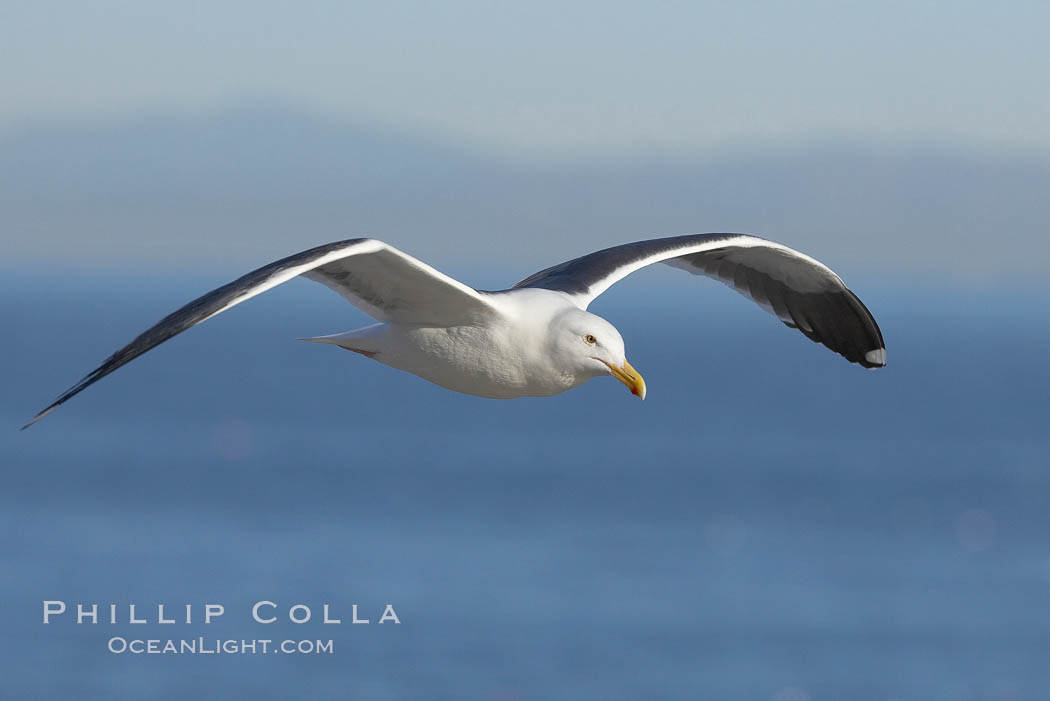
(896, 139)
(245, 185)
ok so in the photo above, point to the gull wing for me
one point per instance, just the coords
(375, 277)
(802, 292)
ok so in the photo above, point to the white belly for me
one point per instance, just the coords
(486, 362)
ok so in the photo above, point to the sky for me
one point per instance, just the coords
(892, 136)
(552, 78)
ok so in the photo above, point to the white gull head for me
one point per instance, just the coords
(585, 346)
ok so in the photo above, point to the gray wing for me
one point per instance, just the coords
(377, 278)
(800, 291)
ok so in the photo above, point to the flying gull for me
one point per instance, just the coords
(537, 338)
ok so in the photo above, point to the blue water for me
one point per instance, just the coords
(771, 523)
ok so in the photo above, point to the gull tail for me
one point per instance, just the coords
(361, 340)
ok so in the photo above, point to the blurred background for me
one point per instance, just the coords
(771, 523)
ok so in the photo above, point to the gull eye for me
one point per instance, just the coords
(591, 340)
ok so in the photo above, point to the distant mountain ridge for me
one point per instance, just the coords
(256, 182)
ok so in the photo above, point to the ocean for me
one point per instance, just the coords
(770, 523)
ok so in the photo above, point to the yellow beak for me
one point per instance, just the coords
(630, 377)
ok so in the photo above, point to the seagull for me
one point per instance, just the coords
(537, 338)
